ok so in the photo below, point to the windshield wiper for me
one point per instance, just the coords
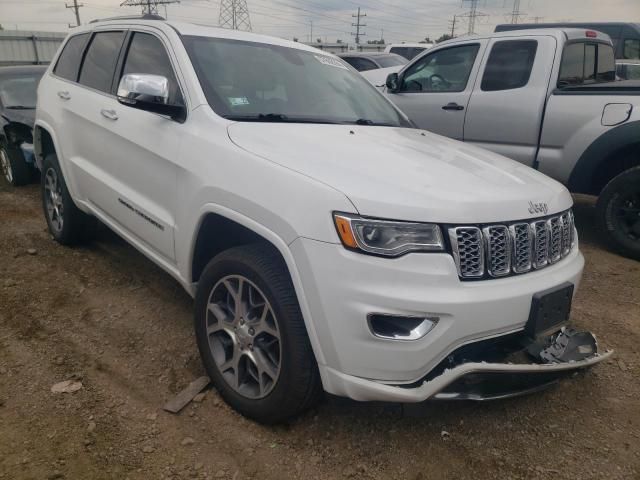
(371, 123)
(19, 107)
(276, 118)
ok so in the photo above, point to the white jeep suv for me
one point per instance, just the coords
(328, 244)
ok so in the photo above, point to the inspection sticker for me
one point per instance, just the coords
(332, 62)
(236, 101)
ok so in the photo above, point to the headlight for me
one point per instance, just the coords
(391, 239)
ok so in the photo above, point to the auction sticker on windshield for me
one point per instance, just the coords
(332, 62)
(236, 101)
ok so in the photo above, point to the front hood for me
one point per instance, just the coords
(406, 174)
(26, 117)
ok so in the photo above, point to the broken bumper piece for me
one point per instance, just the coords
(493, 369)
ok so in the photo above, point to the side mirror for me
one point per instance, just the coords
(149, 93)
(393, 82)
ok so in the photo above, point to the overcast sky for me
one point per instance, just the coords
(402, 20)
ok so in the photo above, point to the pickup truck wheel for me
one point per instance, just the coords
(251, 335)
(67, 224)
(14, 169)
(618, 213)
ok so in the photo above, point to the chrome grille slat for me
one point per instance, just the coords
(521, 237)
(516, 248)
(498, 249)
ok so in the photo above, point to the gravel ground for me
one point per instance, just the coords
(105, 316)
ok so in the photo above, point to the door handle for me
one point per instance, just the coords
(110, 114)
(453, 106)
(64, 95)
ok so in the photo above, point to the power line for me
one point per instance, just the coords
(149, 7)
(234, 14)
(76, 8)
(358, 25)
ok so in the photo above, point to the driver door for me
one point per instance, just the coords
(435, 88)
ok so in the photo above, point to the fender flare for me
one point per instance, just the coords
(282, 246)
(582, 176)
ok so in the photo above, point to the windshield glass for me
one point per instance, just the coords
(391, 61)
(248, 81)
(19, 91)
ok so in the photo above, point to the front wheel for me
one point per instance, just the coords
(252, 337)
(14, 168)
(618, 213)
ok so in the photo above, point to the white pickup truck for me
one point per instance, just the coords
(546, 98)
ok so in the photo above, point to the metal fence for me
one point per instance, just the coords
(19, 47)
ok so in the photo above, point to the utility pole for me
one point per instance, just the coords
(453, 26)
(311, 31)
(358, 25)
(472, 15)
(537, 19)
(76, 7)
(516, 13)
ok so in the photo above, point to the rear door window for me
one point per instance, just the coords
(68, 64)
(147, 55)
(100, 60)
(509, 65)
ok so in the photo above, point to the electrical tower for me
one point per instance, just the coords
(472, 15)
(234, 14)
(76, 7)
(358, 25)
(516, 13)
(149, 7)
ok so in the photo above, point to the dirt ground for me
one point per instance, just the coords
(106, 316)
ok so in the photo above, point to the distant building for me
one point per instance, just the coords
(20, 47)
(334, 47)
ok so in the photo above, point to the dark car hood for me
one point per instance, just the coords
(25, 117)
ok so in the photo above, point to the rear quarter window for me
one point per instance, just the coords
(509, 65)
(68, 64)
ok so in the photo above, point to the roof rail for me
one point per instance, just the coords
(146, 16)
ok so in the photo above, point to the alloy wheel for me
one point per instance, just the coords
(5, 164)
(53, 199)
(243, 335)
(627, 216)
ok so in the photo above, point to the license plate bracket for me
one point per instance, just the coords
(550, 309)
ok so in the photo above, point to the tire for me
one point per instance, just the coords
(297, 385)
(618, 213)
(14, 168)
(67, 224)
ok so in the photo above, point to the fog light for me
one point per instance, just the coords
(397, 327)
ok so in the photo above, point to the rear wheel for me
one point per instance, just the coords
(252, 337)
(14, 168)
(67, 224)
(618, 213)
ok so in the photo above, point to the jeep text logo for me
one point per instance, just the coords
(538, 208)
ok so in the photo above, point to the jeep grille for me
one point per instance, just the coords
(494, 251)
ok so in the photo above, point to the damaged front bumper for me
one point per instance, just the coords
(507, 367)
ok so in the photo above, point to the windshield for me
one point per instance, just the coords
(248, 81)
(391, 61)
(19, 91)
